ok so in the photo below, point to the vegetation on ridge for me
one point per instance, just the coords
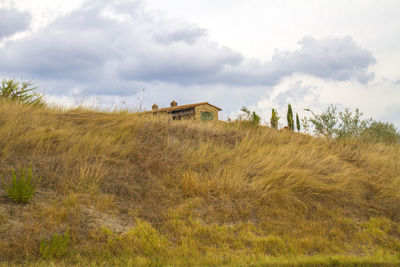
(23, 92)
(134, 189)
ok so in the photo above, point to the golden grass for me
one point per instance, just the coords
(138, 189)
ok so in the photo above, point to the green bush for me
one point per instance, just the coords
(346, 124)
(381, 132)
(350, 124)
(249, 117)
(22, 186)
(325, 123)
(55, 247)
(24, 92)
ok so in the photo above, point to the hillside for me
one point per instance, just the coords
(141, 190)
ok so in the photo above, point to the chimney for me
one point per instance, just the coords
(154, 107)
(173, 104)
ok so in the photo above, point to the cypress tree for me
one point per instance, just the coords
(297, 122)
(290, 120)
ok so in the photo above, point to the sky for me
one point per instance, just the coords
(231, 53)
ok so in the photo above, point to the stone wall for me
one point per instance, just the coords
(206, 108)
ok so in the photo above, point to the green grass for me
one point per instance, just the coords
(22, 186)
(55, 247)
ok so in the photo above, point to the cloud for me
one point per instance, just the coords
(391, 114)
(296, 92)
(103, 44)
(377, 100)
(13, 21)
(188, 34)
(330, 58)
(107, 50)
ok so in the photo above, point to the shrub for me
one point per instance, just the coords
(56, 247)
(24, 92)
(345, 124)
(381, 132)
(274, 119)
(325, 123)
(351, 125)
(22, 187)
(248, 116)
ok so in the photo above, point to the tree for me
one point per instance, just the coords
(325, 123)
(274, 119)
(351, 125)
(290, 120)
(250, 116)
(346, 124)
(297, 122)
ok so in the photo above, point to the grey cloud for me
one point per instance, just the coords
(187, 35)
(86, 46)
(101, 53)
(296, 92)
(13, 21)
(333, 58)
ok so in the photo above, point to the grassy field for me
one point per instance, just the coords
(140, 190)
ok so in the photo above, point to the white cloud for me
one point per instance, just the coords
(378, 100)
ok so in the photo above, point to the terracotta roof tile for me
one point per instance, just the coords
(184, 107)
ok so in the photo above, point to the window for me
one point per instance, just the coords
(206, 116)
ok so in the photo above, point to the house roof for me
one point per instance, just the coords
(185, 107)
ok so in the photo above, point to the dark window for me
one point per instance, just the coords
(206, 116)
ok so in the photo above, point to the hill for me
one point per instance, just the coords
(134, 189)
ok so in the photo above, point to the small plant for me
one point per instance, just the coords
(56, 247)
(24, 92)
(305, 124)
(23, 186)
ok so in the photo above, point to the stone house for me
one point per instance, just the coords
(199, 111)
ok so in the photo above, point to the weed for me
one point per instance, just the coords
(23, 186)
(56, 247)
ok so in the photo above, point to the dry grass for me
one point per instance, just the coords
(138, 190)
